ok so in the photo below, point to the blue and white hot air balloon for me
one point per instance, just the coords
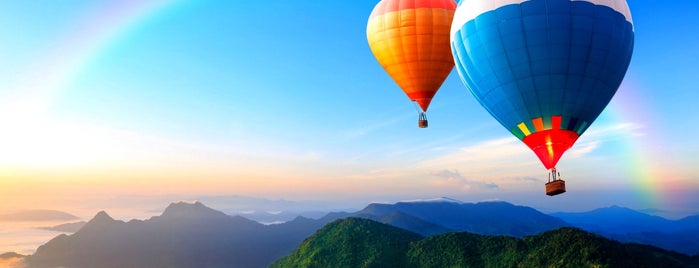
(545, 69)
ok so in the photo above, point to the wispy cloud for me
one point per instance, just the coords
(454, 179)
(583, 149)
(593, 139)
(487, 155)
(524, 179)
(601, 133)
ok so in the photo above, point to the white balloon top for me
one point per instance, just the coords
(470, 9)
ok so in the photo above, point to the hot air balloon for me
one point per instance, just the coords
(410, 39)
(545, 69)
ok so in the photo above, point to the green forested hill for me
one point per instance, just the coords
(357, 242)
(352, 242)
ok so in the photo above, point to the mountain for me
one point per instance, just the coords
(11, 260)
(270, 211)
(355, 242)
(194, 235)
(10, 255)
(686, 242)
(184, 235)
(628, 225)
(445, 215)
(38, 215)
(66, 227)
(405, 221)
(352, 242)
(615, 219)
(689, 223)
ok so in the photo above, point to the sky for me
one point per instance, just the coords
(284, 100)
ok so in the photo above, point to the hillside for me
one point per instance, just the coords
(343, 243)
(352, 242)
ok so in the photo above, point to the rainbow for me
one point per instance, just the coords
(105, 25)
(646, 175)
(93, 34)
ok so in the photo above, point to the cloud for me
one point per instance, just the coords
(583, 149)
(601, 131)
(509, 152)
(524, 179)
(501, 157)
(593, 139)
(454, 179)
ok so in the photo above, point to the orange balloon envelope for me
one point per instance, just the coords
(410, 39)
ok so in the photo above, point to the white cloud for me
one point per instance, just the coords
(606, 132)
(582, 149)
(597, 136)
(484, 156)
(454, 180)
(507, 161)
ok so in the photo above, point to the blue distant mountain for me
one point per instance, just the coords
(627, 225)
(447, 215)
(405, 221)
(616, 219)
(689, 223)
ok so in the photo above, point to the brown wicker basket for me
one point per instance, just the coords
(555, 187)
(422, 123)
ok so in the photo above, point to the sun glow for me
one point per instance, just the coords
(33, 139)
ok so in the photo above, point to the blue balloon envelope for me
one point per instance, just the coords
(545, 69)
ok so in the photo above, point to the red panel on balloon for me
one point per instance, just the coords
(423, 98)
(549, 145)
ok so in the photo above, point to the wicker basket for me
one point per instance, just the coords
(422, 123)
(555, 187)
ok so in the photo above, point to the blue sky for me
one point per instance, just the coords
(283, 99)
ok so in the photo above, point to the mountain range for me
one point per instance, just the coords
(448, 215)
(184, 235)
(191, 234)
(354, 242)
(501, 218)
(617, 219)
(628, 225)
(194, 235)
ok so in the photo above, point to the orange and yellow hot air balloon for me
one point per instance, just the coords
(410, 39)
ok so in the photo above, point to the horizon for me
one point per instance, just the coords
(123, 105)
(25, 236)
(148, 206)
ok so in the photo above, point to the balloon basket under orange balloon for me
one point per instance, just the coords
(555, 187)
(422, 123)
(422, 120)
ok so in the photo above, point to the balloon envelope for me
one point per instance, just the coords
(545, 69)
(410, 39)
